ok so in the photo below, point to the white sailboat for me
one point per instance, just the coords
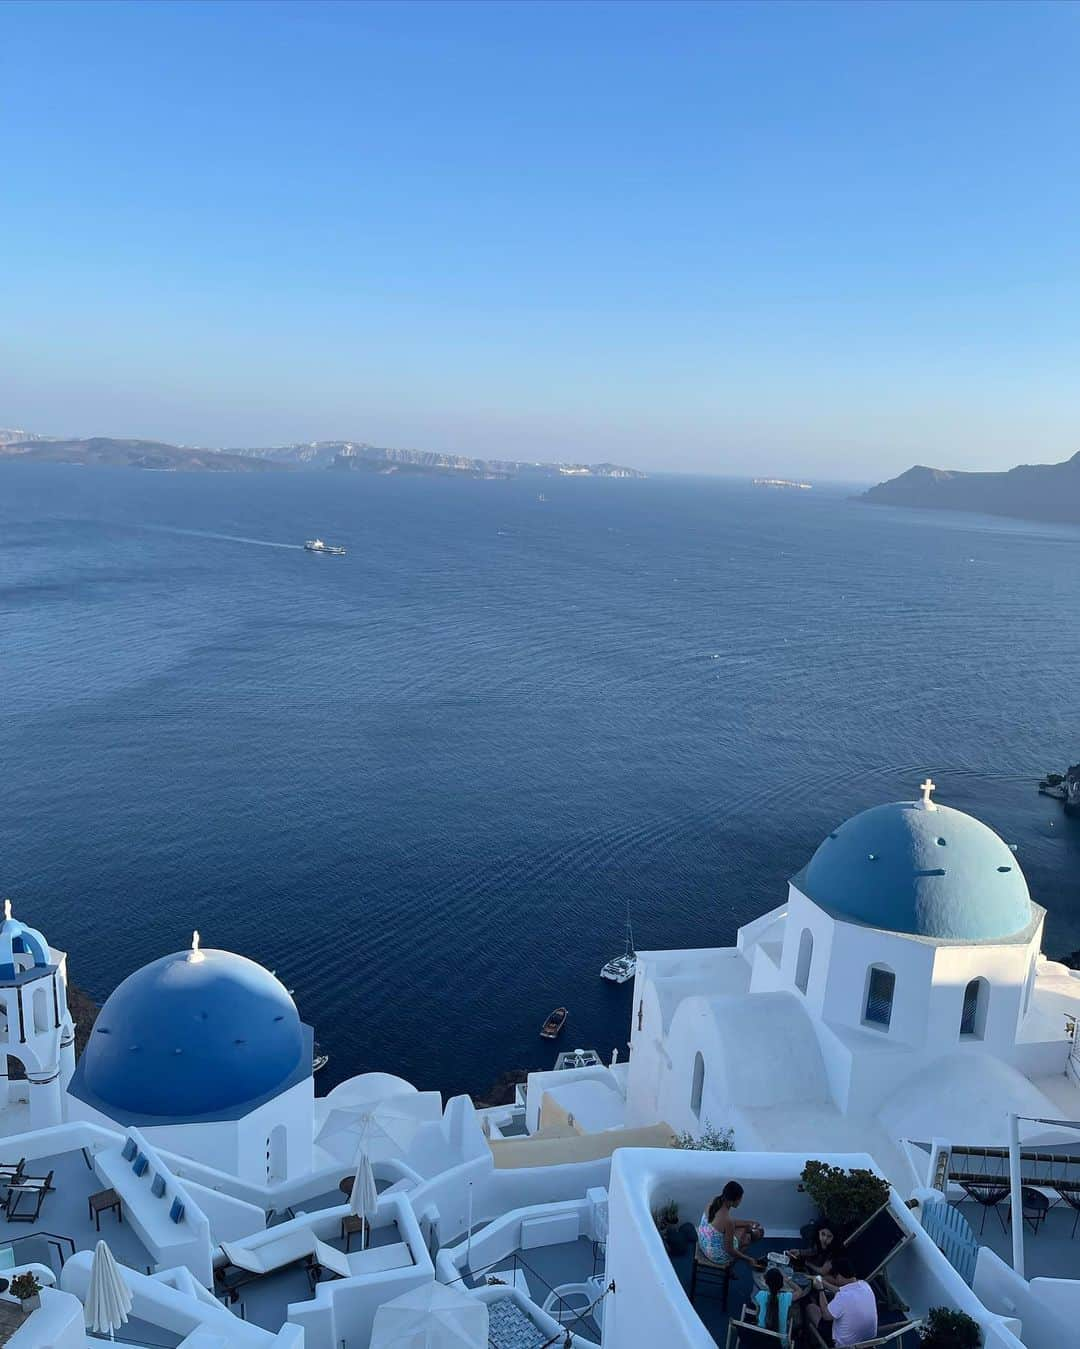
(622, 968)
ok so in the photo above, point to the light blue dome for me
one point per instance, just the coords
(194, 1035)
(930, 872)
(17, 939)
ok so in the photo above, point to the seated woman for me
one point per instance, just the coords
(817, 1258)
(721, 1238)
(773, 1303)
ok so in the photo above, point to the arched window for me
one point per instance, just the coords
(806, 956)
(973, 1015)
(42, 1010)
(697, 1086)
(277, 1154)
(880, 987)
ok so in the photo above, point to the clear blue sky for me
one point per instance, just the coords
(816, 239)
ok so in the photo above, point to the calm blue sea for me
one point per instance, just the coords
(422, 782)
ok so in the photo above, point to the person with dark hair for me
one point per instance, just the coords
(817, 1258)
(851, 1313)
(721, 1238)
(773, 1303)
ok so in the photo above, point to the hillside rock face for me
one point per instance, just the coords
(105, 451)
(1072, 790)
(1048, 492)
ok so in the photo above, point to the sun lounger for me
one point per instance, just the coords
(25, 1197)
(375, 1260)
(245, 1263)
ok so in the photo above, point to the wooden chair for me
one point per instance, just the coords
(34, 1188)
(893, 1335)
(746, 1334)
(707, 1271)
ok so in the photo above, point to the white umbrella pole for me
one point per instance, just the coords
(468, 1239)
(1016, 1195)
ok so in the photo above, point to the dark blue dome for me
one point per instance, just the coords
(928, 871)
(198, 1033)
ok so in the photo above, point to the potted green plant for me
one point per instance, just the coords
(846, 1198)
(945, 1328)
(27, 1289)
(666, 1216)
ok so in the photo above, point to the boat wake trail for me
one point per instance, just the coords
(227, 538)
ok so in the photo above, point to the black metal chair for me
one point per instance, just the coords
(1071, 1195)
(708, 1272)
(1034, 1207)
(989, 1193)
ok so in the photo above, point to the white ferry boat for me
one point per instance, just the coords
(317, 546)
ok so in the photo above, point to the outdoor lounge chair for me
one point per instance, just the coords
(26, 1196)
(245, 1264)
(10, 1174)
(871, 1246)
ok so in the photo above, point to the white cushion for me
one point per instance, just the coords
(287, 1249)
(378, 1259)
(243, 1258)
(337, 1262)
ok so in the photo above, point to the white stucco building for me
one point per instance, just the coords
(899, 993)
(37, 1035)
(895, 1006)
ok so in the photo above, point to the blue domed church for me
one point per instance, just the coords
(899, 993)
(205, 1052)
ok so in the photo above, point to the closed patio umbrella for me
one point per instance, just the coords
(108, 1298)
(432, 1316)
(364, 1197)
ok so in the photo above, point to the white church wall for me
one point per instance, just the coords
(855, 951)
(1003, 968)
(803, 916)
(239, 1146)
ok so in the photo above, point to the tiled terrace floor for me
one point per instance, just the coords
(64, 1214)
(1052, 1253)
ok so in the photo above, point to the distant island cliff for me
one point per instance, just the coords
(1049, 492)
(352, 456)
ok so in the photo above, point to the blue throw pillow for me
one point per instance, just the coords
(157, 1189)
(130, 1149)
(140, 1164)
(176, 1213)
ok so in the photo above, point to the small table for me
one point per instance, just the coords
(102, 1202)
(352, 1223)
(792, 1282)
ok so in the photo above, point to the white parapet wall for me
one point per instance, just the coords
(159, 1207)
(650, 1305)
(178, 1312)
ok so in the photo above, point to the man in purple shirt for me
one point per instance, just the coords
(851, 1313)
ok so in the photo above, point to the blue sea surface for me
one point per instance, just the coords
(422, 782)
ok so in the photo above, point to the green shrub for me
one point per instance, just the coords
(709, 1140)
(846, 1198)
(949, 1329)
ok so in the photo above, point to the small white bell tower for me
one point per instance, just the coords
(37, 1036)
